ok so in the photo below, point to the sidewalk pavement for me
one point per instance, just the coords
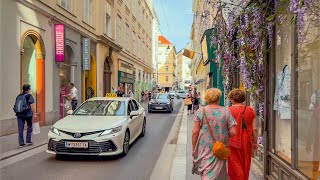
(181, 160)
(9, 144)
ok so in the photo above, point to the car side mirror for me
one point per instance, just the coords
(134, 113)
(70, 112)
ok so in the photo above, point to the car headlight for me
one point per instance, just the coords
(150, 103)
(111, 131)
(55, 131)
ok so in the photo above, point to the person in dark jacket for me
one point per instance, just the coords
(25, 116)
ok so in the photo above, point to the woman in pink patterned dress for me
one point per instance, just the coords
(223, 126)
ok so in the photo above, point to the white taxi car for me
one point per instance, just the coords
(100, 126)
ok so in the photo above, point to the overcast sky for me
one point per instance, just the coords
(175, 20)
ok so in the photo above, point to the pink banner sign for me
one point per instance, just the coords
(59, 39)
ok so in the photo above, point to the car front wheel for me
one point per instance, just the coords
(143, 131)
(126, 143)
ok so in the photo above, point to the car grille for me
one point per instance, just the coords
(94, 148)
(82, 134)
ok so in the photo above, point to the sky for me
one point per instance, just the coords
(175, 20)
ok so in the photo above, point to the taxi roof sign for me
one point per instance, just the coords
(111, 95)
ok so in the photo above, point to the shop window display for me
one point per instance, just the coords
(309, 101)
(282, 94)
(29, 66)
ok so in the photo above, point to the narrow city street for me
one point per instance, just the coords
(137, 165)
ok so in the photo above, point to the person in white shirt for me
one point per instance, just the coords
(73, 96)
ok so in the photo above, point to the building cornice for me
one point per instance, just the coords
(108, 41)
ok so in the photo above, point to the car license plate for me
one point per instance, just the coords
(82, 145)
(158, 107)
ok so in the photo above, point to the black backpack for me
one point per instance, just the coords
(21, 105)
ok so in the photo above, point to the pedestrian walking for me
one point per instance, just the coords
(114, 90)
(245, 142)
(195, 102)
(131, 93)
(189, 105)
(213, 125)
(120, 92)
(142, 96)
(73, 96)
(149, 95)
(25, 112)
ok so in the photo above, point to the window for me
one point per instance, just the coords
(308, 98)
(139, 49)
(108, 20)
(88, 12)
(282, 98)
(119, 23)
(167, 68)
(127, 36)
(136, 105)
(101, 108)
(130, 108)
(133, 42)
(133, 7)
(167, 78)
(66, 4)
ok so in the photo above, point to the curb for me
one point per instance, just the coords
(162, 168)
(179, 165)
(12, 153)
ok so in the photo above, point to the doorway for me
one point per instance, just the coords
(32, 70)
(106, 77)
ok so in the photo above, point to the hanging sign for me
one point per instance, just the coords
(59, 39)
(86, 53)
(188, 53)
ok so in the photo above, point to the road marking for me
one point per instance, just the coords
(22, 156)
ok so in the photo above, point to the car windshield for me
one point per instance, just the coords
(181, 92)
(160, 96)
(101, 108)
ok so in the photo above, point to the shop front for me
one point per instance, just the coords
(288, 135)
(214, 79)
(68, 61)
(294, 139)
(126, 77)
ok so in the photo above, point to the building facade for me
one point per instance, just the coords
(99, 51)
(155, 35)
(200, 72)
(166, 65)
(183, 70)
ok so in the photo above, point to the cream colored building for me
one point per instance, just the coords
(199, 72)
(167, 57)
(119, 35)
(183, 70)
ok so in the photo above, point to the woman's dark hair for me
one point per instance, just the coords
(26, 87)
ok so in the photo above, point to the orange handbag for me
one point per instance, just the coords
(187, 102)
(220, 150)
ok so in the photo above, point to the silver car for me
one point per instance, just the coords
(181, 94)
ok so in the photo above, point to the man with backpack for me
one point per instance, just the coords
(25, 110)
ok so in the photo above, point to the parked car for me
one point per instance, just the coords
(172, 94)
(161, 102)
(100, 126)
(181, 94)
